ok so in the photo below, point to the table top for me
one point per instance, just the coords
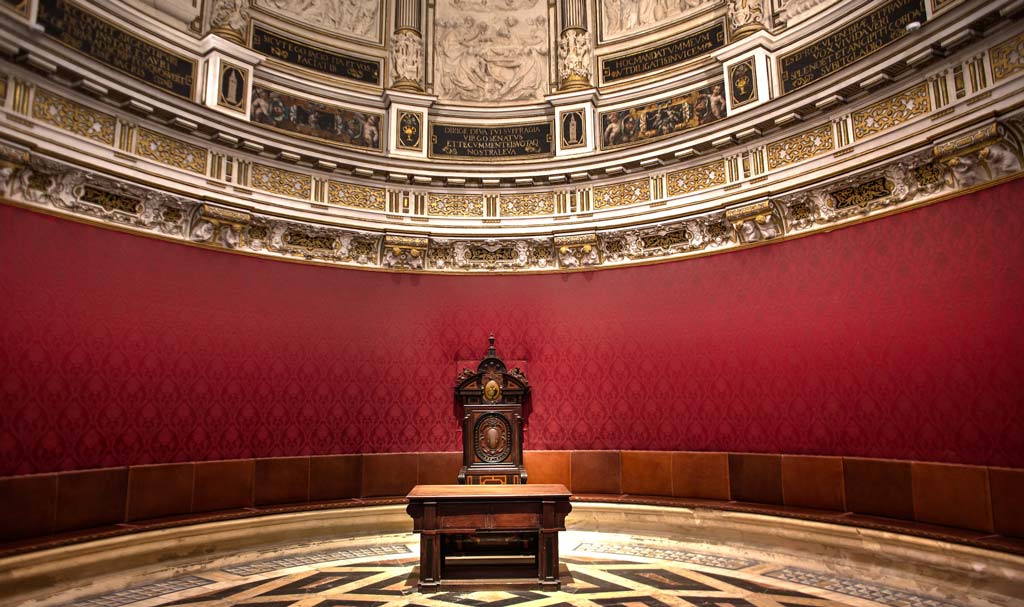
(446, 492)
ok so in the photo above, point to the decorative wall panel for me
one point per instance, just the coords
(622, 194)
(891, 112)
(695, 179)
(359, 196)
(455, 205)
(799, 147)
(1007, 58)
(71, 116)
(515, 205)
(279, 181)
(170, 151)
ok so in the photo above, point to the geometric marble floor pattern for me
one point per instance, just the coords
(606, 571)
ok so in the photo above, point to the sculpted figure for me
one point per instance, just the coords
(407, 56)
(574, 55)
(497, 54)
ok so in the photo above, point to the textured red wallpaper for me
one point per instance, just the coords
(902, 337)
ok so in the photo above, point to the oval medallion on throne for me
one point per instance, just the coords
(492, 437)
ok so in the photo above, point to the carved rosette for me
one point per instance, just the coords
(406, 58)
(229, 19)
(574, 60)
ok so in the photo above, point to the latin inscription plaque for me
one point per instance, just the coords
(857, 40)
(113, 46)
(314, 58)
(675, 52)
(490, 142)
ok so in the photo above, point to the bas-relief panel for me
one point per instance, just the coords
(360, 19)
(181, 12)
(491, 50)
(316, 120)
(620, 18)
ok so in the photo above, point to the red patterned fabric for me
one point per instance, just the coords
(902, 337)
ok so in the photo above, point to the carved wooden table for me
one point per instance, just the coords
(480, 535)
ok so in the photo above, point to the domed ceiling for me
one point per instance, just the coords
(503, 135)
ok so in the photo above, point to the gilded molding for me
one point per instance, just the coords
(455, 205)
(695, 178)
(966, 161)
(521, 205)
(801, 146)
(73, 117)
(622, 194)
(279, 181)
(891, 112)
(358, 196)
(1007, 58)
(170, 151)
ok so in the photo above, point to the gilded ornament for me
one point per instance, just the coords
(170, 151)
(279, 181)
(518, 205)
(73, 117)
(622, 194)
(801, 146)
(358, 196)
(111, 201)
(696, 178)
(455, 205)
(891, 112)
(1007, 58)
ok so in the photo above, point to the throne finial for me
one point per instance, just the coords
(491, 352)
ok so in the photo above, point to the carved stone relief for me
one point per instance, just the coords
(792, 9)
(230, 19)
(407, 59)
(624, 17)
(746, 15)
(491, 51)
(574, 58)
(354, 18)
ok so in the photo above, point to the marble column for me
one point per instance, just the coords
(574, 47)
(406, 53)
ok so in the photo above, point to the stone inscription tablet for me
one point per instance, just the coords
(490, 142)
(113, 46)
(675, 52)
(310, 57)
(857, 40)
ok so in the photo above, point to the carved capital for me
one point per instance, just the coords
(406, 56)
(574, 60)
(229, 19)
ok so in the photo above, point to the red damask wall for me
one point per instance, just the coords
(902, 338)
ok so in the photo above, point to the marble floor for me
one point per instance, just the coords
(601, 569)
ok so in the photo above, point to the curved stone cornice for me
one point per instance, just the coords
(980, 156)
